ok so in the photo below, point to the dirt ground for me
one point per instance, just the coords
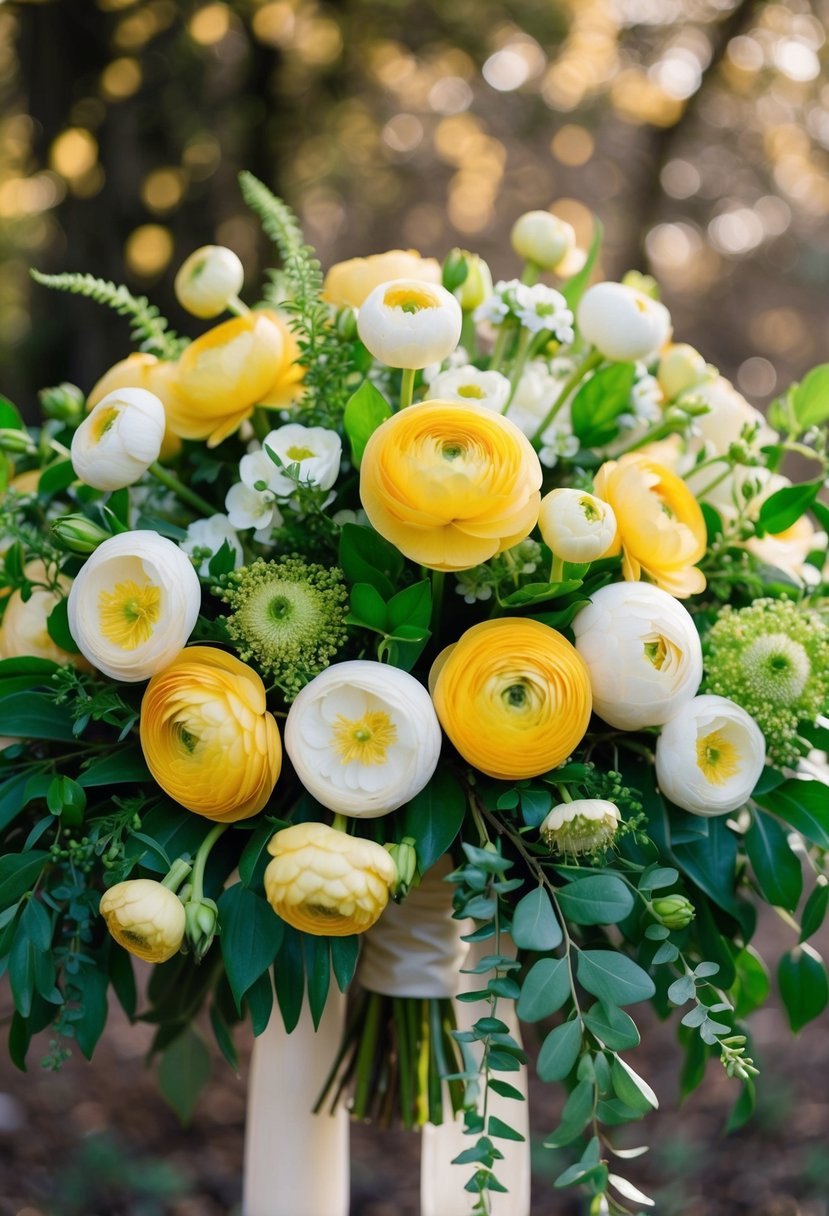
(98, 1140)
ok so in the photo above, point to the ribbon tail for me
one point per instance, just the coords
(296, 1162)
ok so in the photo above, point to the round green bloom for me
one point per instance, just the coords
(288, 616)
(772, 658)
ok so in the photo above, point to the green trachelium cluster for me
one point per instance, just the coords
(772, 658)
(287, 616)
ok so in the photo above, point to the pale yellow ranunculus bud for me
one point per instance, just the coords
(477, 286)
(622, 323)
(680, 368)
(144, 917)
(543, 238)
(326, 883)
(208, 280)
(576, 526)
(410, 324)
(23, 631)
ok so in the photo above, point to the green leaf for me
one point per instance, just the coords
(317, 972)
(411, 606)
(785, 507)
(810, 400)
(599, 402)
(368, 607)
(801, 976)
(57, 626)
(184, 1071)
(535, 925)
(344, 954)
(804, 806)
(365, 410)
(612, 1026)
(657, 877)
(18, 873)
(289, 978)
(10, 416)
(250, 938)
(574, 288)
(545, 988)
(259, 999)
(631, 1088)
(33, 715)
(600, 899)
(125, 765)
(38, 670)
(367, 558)
(559, 1051)
(498, 1128)
(711, 862)
(743, 1108)
(776, 868)
(614, 978)
(93, 983)
(814, 911)
(255, 855)
(57, 478)
(433, 818)
(750, 989)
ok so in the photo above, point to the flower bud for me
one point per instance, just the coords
(455, 269)
(410, 324)
(16, 442)
(673, 911)
(477, 286)
(404, 857)
(645, 283)
(118, 441)
(543, 238)
(208, 280)
(201, 923)
(622, 323)
(576, 526)
(680, 368)
(347, 324)
(144, 917)
(78, 534)
(63, 401)
(581, 826)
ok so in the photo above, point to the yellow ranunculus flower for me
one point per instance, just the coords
(325, 882)
(144, 917)
(513, 696)
(286, 387)
(207, 737)
(222, 375)
(450, 485)
(661, 530)
(23, 630)
(347, 284)
(142, 370)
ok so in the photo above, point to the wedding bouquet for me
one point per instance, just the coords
(401, 586)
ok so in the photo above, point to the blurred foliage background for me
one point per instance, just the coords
(698, 130)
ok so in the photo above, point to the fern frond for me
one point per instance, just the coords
(279, 222)
(149, 328)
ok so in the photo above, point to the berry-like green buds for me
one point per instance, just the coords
(673, 911)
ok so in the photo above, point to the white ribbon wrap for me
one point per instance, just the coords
(415, 949)
(441, 1183)
(296, 1162)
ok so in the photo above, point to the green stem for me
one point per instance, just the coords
(525, 341)
(531, 272)
(404, 1062)
(438, 584)
(261, 423)
(407, 386)
(592, 360)
(197, 877)
(557, 570)
(236, 306)
(365, 1055)
(187, 495)
(178, 872)
(505, 333)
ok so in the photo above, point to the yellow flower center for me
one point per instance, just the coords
(102, 422)
(716, 757)
(127, 614)
(299, 453)
(590, 510)
(660, 652)
(471, 390)
(410, 299)
(366, 739)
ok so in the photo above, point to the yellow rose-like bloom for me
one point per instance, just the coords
(450, 485)
(286, 388)
(222, 375)
(661, 530)
(142, 370)
(325, 882)
(513, 696)
(207, 738)
(24, 631)
(145, 918)
(347, 284)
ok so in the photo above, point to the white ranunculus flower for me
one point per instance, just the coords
(363, 737)
(709, 756)
(622, 323)
(787, 551)
(315, 449)
(680, 368)
(118, 441)
(409, 324)
(728, 414)
(211, 534)
(133, 605)
(208, 280)
(470, 386)
(543, 238)
(642, 651)
(576, 526)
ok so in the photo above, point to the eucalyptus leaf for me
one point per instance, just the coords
(613, 977)
(599, 899)
(559, 1051)
(545, 988)
(612, 1026)
(535, 925)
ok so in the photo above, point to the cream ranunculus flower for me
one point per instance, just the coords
(450, 485)
(363, 738)
(543, 238)
(787, 551)
(141, 370)
(728, 415)
(118, 441)
(709, 756)
(643, 653)
(622, 323)
(325, 882)
(580, 826)
(469, 386)
(660, 526)
(575, 525)
(348, 284)
(513, 696)
(23, 630)
(134, 604)
(208, 280)
(144, 917)
(207, 737)
(410, 324)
